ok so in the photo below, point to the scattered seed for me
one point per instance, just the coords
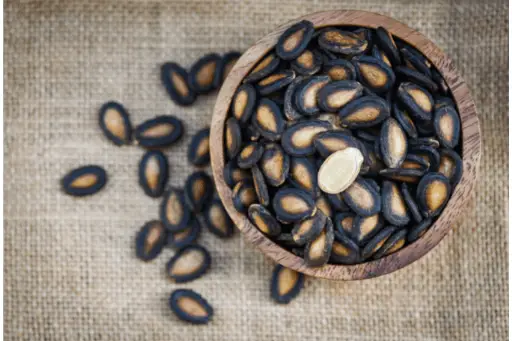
(115, 123)
(199, 190)
(159, 132)
(216, 219)
(198, 152)
(286, 284)
(174, 212)
(175, 78)
(150, 240)
(153, 173)
(191, 307)
(264, 220)
(189, 263)
(201, 77)
(177, 240)
(86, 180)
(243, 195)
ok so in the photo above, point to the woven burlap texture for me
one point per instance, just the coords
(70, 267)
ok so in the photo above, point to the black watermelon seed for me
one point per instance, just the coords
(198, 152)
(153, 173)
(224, 66)
(201, 77)
(188, 263)
(191, 307)
(159, 132)
(216, 220)
(199, 190)
(286, 284)
(115, 123)
(174, 211)
(150, 240)
(86, 180)
(177, 240)
(294, 40)
(175, 80)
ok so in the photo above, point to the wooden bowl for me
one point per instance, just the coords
(470, 148)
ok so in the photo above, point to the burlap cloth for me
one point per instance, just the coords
(70, 270)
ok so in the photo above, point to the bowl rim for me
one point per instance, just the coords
(471, 147)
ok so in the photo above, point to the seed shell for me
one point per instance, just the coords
(308, 63)
(224, 66)
(385, 41)
(415, 162)
(374, 74)
(198, 152)
(250, 155)
(175, 78)
(269, 120)
(232, 174)
(307, 93)
(177, 240)
(362, 198)
(344, 222)
(153, 173)
(115, 123)
(191, 307)
(174, 212)
(216, 219)
(297, 140)
(335, 121)
(441, 101)
(86, 180)
(339, 70)
(260, 186)
(328, 142)
(380, 55)
(290, 111)
(364, 112)
(394, 208)
(294, 40)
(286, 284)
(394, 243)
(411, 203)
(305, 231)
(450, 165)
(324, 205)
(199, 190)
(416, 77)
(275, 164)
(433, 193)
(441, 83)
(344, 250)
(447, 126)
(201, 77)
(264, 68)
(402, 174)
(419, 230)
(275, 82)
(150, 240)
(344, 42)
(159, 132)
(377, 242)
(292, 205)
(429, 154)
(251, 133)
(416, 100)
(232, 137)
(414, 61)
(364, 228)
(337, 202)
(405, 121)
(333, 96)
(393, 143)
(318, 250)
(244, 102)
(425, 128)
(286, 239)
(339, 170)
(303, 175)
(264, 220)
(244, 195)
(189, 263)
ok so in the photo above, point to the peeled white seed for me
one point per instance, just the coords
(339, 170)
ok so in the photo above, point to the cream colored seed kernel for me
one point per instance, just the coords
(339, 170)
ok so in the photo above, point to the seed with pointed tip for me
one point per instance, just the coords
(275, 82)
(199, 190)
(275, 164)
(177, 240)
(159, 132)
(260, 186)
(305, 231)
(286, 284)
(216, 219)
(339, 70)
(82, 181)
(201, 77)
(303, 174)
(292, 205)
(318, 250)
(364, 228)
(232, 138)
(306, 95)
(374, 74)
(150, 240)
(344, 222)
(308, 63)
(416, 100)
(385, 41)
(264, 68)
(394, 208)
(294, 40)
(447, 126)
(362, 198)
(244, 195)
(189, 263)
(198, 152)
(244, 102)
(328, 142)
(344, 42)
(339, 170)
(297, 140)
(115, 123)
(269, 120)
(175, 80)
(450, 165)
(264, 220)
(335, 95)
(433, 193)
(153, 173)
(405, 121)
(323, 205)
(364, 112)
(249, 155)
(174, 211)
(191, 307)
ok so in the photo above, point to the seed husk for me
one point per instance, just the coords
(264, 220)
(318, 250)
(275, 164)
(308, 63)
(251, 133)
(293, 205)
(425, 141)
(433, 192)
(306, 94)
(244, 102)
(344, 250)
(269, 120)
(403, 174)
(393, 143)
(339, 70)
(286, 239)
(115, 123)
(415, 61)
(303, 175)
(150, 240)
(174, 212)
(385, 41)
(416, 100)
(224, 66)
(298, 251)
(232, 174)
(367, 136)
(249, 155)
(189, 263)
(159, 132)
(294, 40)
(429, 154)
(86, 180)
(275, 82)
(232, 138)
(265, 67)
(450, 165)
(407, 74)
(335, 95)
(441, 101)
(411, 203)
(198, 152)
(366, 34)
(344, 222)
(153, 173)
(286, 284)
(324, 205)
(216, 219)
(244, 195)
(199, 190)
(339, 170)
(306, 230)
(374, 163)
(364, 112)
(374, 74)
(380, 55)
(364, 228)
(362, 198)
(405, 121)
(441, 83)
(177, 240)
(326, 143)
(425, 128)
(394, 208)
(374, 184)
(447, 126)
(297, 140)
(190, 307)
(419, 230)
(375, 243)
(260, 186)
(290, 111)
(343, 42)
(201, 77)
(175, 80)
(394, 243)
(337, 202)
(335, 121)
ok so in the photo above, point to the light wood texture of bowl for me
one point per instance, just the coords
(470, 147)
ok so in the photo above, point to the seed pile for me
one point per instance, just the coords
(342, 145)
(183, 212)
